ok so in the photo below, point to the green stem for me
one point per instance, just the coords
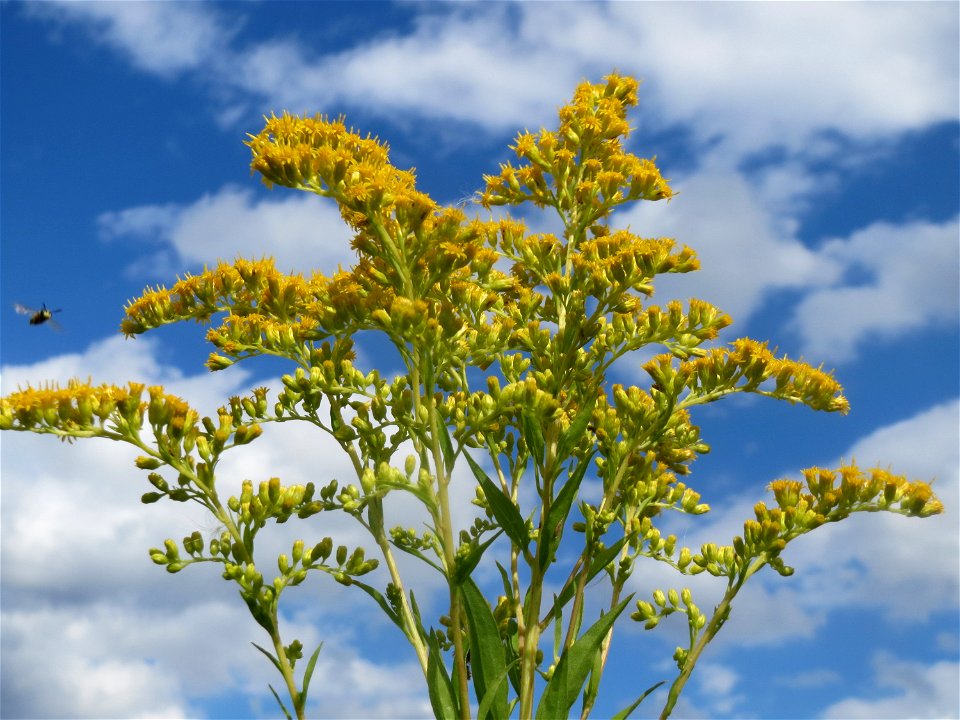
(719, 617)
(409, 624)
(285, 669)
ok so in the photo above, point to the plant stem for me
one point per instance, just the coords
(285, 668)
(719, 617)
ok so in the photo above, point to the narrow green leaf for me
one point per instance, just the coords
(415, 609)
(308, 673)
(442, 698)
(507, 587)
(381, 601)
(446, 446)
(625, 713)
(486, 652)
(574, 665)
(557, 515)
(501, 506)
(283, 707)
(593, 682)
(492, 692)
(533, 435)
(420, 556)
(572, 434)
(596, 566)
(275, 662)
(466, 565)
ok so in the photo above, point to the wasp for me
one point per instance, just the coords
(38, 317)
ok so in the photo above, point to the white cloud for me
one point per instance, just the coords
(744, 251)
(302, 232)
(761, 74)
(161, 38)
(75, 541)
(911, 689)
(913, 283)
(872, 561)
(868, 561)
(753, 74)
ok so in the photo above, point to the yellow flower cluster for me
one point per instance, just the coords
(748, 366)
(830, 499)
(84, 410)
(581, 168)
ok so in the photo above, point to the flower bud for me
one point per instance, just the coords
(147, 463)
(368, 481)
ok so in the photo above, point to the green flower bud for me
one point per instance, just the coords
(341, 554)
(368, 481)
(148, 463)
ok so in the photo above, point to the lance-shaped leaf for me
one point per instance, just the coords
(572, 434)
(442, 697)
(557, 515)
(464, 566)
(486, 653)
(599, 562)
(574, 666)
(533, 435)
(625, 713)
(381, 601)
(308, 673)
(446, 446)
(501, 506)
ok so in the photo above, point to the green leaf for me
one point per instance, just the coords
(420, 556)
(465, 566)
(442, 698)
(572, 434)
(307, 674)
(446, 446)
(283, 707)
(486, 653)
(599, 562)
(557, 515)
(507, 587)
(574, 666)
(533, 435)
(415, 609)
(492, 693)
(501, 506)
(275, 662)
(381, 601)
(623, 714)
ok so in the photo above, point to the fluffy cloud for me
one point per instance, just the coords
(745, 253)
(161, 38)
(301, 232)
(753, 75)
(864, 562)
(130, 641)
(905, 689)
(911, 282)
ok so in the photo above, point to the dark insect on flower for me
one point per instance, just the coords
(38, 317)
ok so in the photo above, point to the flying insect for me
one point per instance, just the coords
(38, 317)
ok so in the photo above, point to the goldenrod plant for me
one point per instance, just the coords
(507, 340)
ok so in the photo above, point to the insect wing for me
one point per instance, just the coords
(23, 309)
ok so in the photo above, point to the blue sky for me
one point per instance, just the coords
(815, 151)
